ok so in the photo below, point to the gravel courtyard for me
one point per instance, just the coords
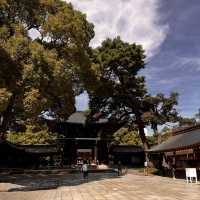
(99, 186)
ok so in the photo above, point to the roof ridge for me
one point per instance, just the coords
(184, 130)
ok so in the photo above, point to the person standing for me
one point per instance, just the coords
(165, 165)
(119, 168)
(85, 169)
(146, 168)
(173, 166)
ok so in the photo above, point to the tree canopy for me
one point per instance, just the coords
(121, 93)
(42, 74)
(159, 110)
(33, 136)
(186, 121)
(126, 136)
(120, 89)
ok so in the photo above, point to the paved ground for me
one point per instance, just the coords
(98, 187)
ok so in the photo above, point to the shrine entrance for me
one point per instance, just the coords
(83, 138)
(84, 154)
(79, 149)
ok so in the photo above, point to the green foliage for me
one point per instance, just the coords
(116, 64)
(32, 137)
(120, 90)
(126, 136)
(152, 140)
(166, 133)
(185, 121)
(160, 109)
(4, 99)
(46, 73)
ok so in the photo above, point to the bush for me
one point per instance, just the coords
(151, 170)
(33, 136)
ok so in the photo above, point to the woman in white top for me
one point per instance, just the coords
(85, 169)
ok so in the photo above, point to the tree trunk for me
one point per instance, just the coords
(141, 127)
(159, 138)
(6, 117)
(157, 135)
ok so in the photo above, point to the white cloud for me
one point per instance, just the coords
(193, 62)
(166, 81)
(189, 64)
(134, 20)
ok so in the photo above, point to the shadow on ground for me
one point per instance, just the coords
(32, 182)
(179, 173)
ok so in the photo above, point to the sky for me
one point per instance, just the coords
(170, 34)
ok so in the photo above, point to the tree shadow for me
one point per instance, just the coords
(33, 182)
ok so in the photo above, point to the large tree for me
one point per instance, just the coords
(121, 93)
(42, 74)
(121, 90)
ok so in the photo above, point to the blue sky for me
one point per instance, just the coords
(176, 67)
(170, 33)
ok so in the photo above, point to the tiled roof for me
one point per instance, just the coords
(127, 149)
(185, 140)
(36, 149)
(81, 118)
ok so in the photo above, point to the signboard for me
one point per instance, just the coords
(84, 150)
(190, 174)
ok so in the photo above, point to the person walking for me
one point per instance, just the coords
(173, 168)
(119, 168)
(146, 168)
(85, 169)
